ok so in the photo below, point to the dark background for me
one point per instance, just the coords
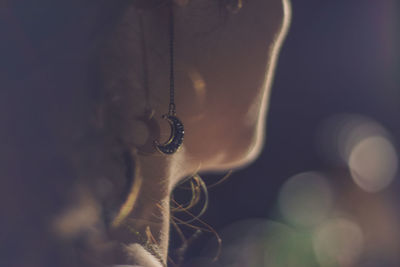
(339, 57)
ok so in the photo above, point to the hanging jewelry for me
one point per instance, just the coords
(177, 130)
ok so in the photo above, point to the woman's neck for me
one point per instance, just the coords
(147, 221)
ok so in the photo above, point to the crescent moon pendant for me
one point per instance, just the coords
(176, 138)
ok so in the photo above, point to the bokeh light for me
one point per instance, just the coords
(338, 242)
(265, 243)
(364, 145)
(306, 199)
(373, 163)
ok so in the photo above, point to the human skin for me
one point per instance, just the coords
(60, 176)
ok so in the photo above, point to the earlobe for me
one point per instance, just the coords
(153, 133)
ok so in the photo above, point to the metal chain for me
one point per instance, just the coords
(145, 65)
(172, 107)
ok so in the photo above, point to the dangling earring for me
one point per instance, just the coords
(177, 130)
